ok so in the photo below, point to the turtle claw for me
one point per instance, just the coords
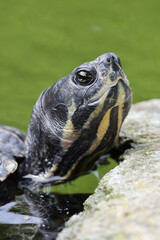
(11, 150)
(8, 165)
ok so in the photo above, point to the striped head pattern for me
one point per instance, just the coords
(78, 118)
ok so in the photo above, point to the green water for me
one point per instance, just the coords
(83, 184)
(42, 41)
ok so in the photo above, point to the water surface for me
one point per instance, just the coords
(30, 211)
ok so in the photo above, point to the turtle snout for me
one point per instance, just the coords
(113, 59)
(117, 72)
(110, 64)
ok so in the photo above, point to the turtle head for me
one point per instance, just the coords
(95, 87)
(78, 118)
(92, 81)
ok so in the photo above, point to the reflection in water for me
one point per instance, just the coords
(54, 209)
(36, 215)
(30, 211)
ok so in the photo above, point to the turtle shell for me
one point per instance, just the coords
(11, 149)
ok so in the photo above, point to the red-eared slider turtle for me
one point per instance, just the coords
(72, 123)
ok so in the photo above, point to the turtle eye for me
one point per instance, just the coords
(83, 77)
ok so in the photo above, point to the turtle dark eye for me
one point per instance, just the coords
(83, 77)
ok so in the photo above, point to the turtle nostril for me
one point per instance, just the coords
(113, 58)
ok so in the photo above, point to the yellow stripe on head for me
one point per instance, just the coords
(69, 133)
(120, 103)
(104, 124)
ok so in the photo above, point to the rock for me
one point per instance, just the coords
(126, 204)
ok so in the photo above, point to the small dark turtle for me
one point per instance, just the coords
(72, 123)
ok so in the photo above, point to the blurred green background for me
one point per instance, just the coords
(43, 40)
